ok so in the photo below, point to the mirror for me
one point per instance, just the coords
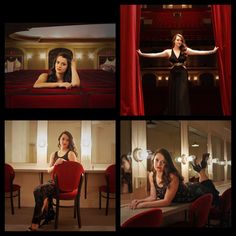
(126, 161)
(20, 141)
(103, 142)
(218, 152)
(159, 134)
(228, 150)
(197, 146)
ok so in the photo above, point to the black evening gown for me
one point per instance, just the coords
(178, 87)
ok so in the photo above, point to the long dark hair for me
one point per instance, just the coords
(169, 167)
(71, 145)
(183, 47)
(67, 75)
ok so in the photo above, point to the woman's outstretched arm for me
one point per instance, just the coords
(150, 198)
(199, 52)
(75, 80)
(163, 54)
(41, 82)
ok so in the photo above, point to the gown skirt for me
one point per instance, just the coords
(178, 92)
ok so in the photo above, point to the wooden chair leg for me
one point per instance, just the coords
(19, 198)
(107, 204)
(57, 214)
(78, 211)
(100, 199)
(12, 206)
(75, 204)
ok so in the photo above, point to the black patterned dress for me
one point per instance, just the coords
(189, 192)
(178, 87)
(43, 191)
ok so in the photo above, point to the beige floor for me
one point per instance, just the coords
(91, 219)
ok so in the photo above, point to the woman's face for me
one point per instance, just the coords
(178, 41)
(64, 141)
(159, 162)
(125, 165)
(61, 65)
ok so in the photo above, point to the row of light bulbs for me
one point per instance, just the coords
(42, 55)
(140, 154)
(194, 78)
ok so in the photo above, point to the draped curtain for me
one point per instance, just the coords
(221, 19)
(131, 94)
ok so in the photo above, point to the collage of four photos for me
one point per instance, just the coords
(119, 124)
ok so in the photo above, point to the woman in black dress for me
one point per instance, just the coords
(43, 193)
(167, 186)
(178, 79)
(62, 75)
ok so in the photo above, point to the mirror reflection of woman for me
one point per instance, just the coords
(178, 79)
(126, 174)
(43, 210)
(167, 186)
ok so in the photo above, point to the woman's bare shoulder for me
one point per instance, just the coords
(168, 51)
(173, 177)
(150, 175)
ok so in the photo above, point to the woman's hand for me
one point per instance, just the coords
(139, 52)
(134, 204)
(215, 49)
(66, 85)
(59, 161)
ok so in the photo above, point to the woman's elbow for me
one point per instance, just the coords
(35, 86)
(167, 202)
(77, 84)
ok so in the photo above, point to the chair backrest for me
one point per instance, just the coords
(110, 174)
(68, 175)
(225, 201)
(149, 218)
(199, 210)
(9, 176)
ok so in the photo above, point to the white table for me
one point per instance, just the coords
(41, 169)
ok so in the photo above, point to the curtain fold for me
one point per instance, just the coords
(221, 19)
(131, 94)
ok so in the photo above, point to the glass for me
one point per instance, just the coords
(228, 152)
(103, 142)
(20, 145)
(159, 134)
(218, 152)
(197, 146)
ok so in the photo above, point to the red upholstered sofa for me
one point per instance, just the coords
(97, 90)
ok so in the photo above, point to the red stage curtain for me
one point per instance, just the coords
(131, 94)
(221, 18)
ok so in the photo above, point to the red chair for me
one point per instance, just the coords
(10, 187)
(198, 212)
(149, 218)
(68, 178)
(109, 188)
(223, 212)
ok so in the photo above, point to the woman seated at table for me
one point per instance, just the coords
(167, 186)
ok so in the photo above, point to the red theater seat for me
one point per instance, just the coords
(68, 178)
(149, 218)
(109, 188)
